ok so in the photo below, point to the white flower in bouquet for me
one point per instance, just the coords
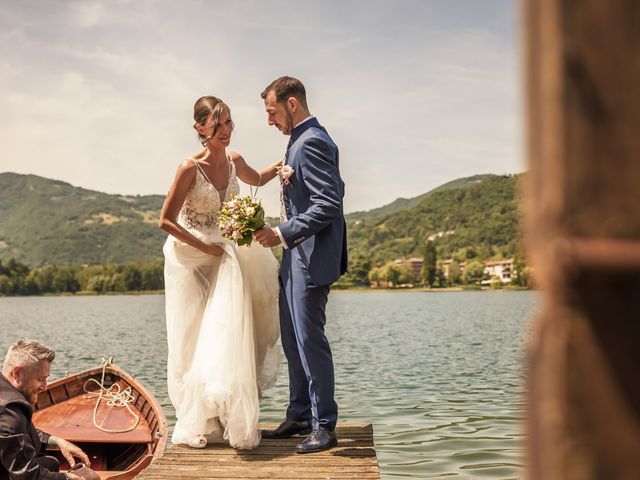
(239, 218)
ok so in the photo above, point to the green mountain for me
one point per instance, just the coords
(477, 220)
(48, 222)
(406, 203)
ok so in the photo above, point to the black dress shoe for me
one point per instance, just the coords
(318, 441)
(288, 428)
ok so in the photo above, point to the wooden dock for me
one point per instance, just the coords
(353, 458)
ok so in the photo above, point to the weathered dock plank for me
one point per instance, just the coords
(353, 458)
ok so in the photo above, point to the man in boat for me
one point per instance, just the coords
(22, 446)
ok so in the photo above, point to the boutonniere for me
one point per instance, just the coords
(285, 173)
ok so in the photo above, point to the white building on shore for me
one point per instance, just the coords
(502, 269)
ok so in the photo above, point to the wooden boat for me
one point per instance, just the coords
(120, 440)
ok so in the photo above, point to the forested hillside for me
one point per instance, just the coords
(48, 222)
(477, 221)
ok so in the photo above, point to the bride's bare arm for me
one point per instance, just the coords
(172, 205)
(253, 177)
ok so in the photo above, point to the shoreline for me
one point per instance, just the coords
(333, 290)
(432, 290)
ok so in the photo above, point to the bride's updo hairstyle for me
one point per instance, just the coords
(206, 113)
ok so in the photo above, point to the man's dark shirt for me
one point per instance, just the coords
(20, 442)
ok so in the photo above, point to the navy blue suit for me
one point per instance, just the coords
(315, 234)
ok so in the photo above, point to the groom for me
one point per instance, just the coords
(313, 236)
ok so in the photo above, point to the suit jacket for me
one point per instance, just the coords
(316, 230)
(20, 441)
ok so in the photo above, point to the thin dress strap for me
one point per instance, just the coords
(201, 170)
(232, 167)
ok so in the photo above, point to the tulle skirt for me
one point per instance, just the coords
(222, 329)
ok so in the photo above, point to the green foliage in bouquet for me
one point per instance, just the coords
(239, 218)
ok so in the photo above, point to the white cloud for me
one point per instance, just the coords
(100, 93)
(87, 14)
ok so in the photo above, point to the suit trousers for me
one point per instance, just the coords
(302, 321)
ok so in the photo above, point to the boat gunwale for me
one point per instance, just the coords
(158, 441)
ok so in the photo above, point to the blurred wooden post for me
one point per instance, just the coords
(583, 237)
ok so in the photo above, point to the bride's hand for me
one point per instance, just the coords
(214, 249)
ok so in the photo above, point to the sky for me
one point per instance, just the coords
(415, 93)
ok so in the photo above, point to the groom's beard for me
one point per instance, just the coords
(289, 123)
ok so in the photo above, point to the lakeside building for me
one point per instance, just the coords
(502, 269)
(414, 262)
(445, 266)
(493, 269)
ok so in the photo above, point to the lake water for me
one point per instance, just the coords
(439, 375)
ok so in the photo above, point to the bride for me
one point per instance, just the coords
(221, 300)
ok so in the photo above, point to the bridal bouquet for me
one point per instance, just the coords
(239, 218)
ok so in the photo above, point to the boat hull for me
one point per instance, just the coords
(119, 441)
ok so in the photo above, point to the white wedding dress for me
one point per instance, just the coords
(222, 324)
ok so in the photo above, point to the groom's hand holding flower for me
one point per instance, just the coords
(267, 237)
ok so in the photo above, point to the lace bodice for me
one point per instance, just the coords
(199, 213)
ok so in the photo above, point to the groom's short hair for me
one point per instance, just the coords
(285, 87)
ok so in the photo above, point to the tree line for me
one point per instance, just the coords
(363, 272)
(19, 279)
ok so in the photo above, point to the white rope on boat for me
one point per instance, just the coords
(114, 396)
